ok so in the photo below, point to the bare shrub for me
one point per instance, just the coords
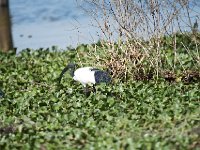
(136, 32)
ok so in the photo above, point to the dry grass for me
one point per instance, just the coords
(145, 31)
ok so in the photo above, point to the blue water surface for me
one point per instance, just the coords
(45, 23)
(31, 11)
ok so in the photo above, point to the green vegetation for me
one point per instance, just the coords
(141, 113)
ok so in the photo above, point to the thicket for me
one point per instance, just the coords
(154, 38)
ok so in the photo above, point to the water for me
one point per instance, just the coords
(45, 23)
(62, 23)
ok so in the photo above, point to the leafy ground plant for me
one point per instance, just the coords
(37, 113)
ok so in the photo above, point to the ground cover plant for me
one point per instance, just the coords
(38, 113)
(152, 103)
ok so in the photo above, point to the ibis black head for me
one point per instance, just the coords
(70, 66)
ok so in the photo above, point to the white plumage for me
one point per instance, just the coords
(86, 75)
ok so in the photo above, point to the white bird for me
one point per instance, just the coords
(86, 75)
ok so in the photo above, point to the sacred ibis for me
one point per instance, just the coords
(86, 75)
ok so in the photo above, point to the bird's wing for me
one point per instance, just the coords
(102, 76)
